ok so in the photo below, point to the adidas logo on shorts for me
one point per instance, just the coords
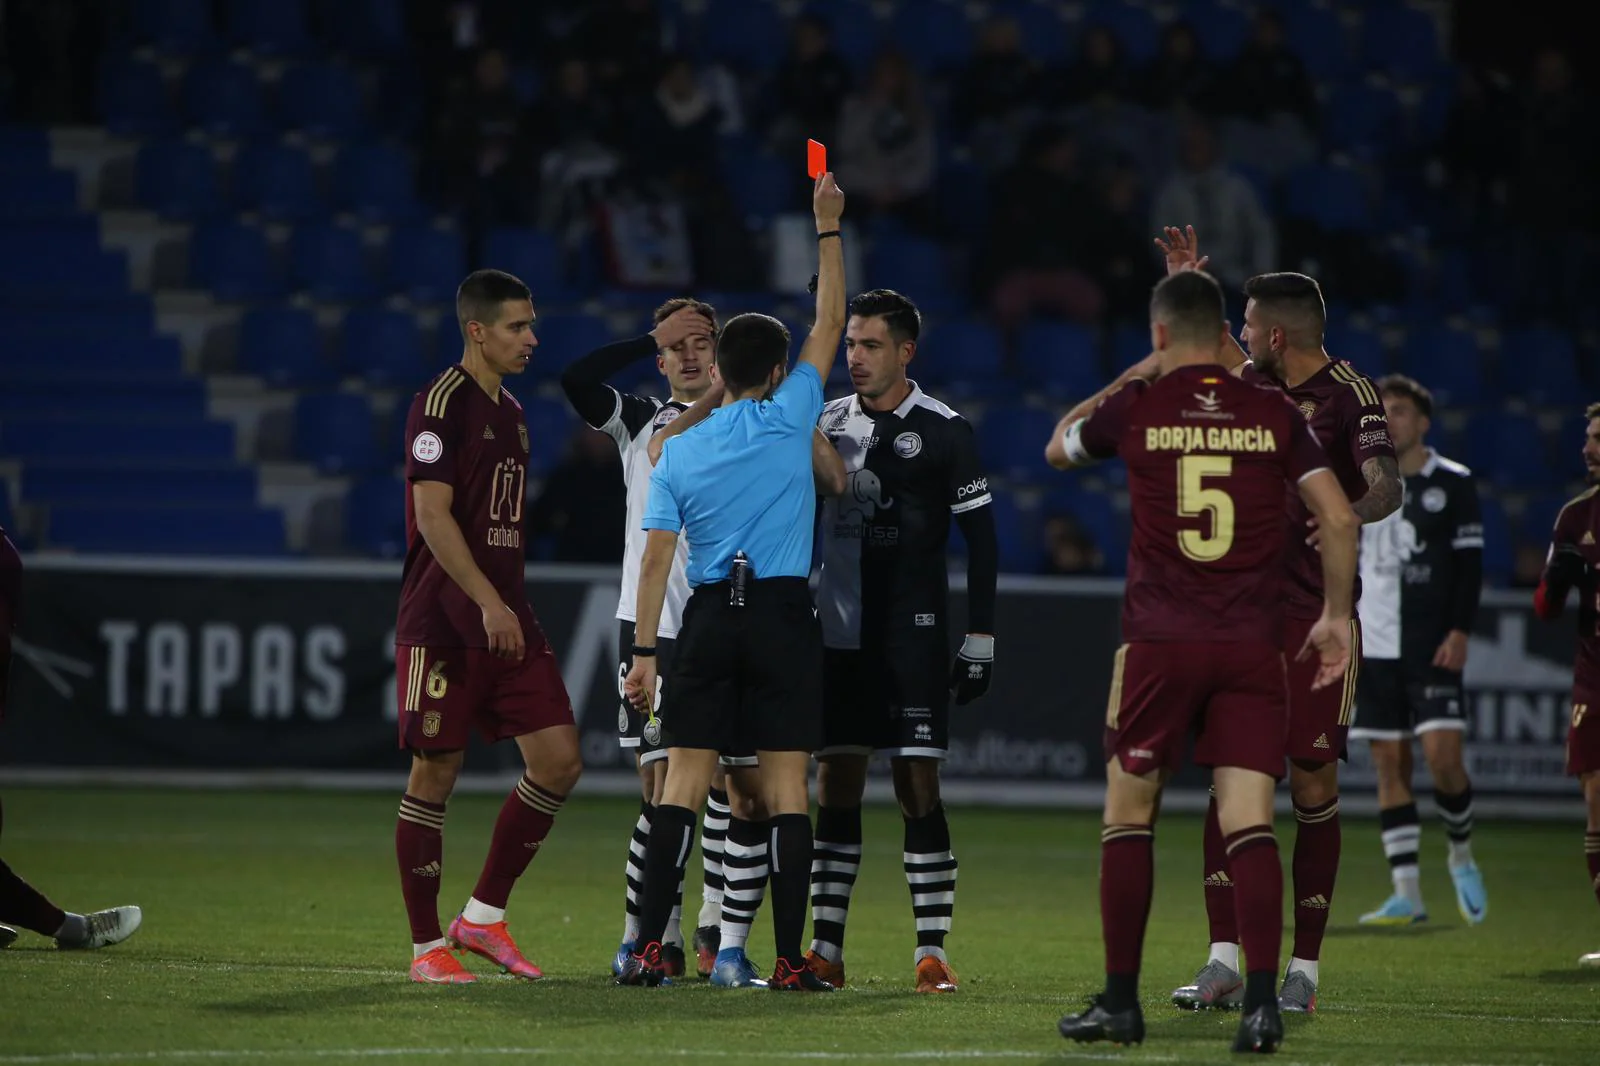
(1322, 742)
(1218, 880)
(430, 870)
(1319, 902)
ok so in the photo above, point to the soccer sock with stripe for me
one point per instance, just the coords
(635, 870)
(1258, 900)
(1456, 813)
(525, 820)
(1316, 866)
(791, 883)
(835, 862)
(1127, 881)
(744, 874)
(1591, 851)
(931, 876)
(419, 848)
(1402, 841)
(713, 839)
(666, 855)
(1220, 907)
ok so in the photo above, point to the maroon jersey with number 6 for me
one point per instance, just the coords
(1208, 456)
(1345, 412)
(457, 434)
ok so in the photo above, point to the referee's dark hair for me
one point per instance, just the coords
(1191, 305)
(678, 303)
(900, 316)
(748, 348)
(481, 294)
(1294, 302)
(1411, 389)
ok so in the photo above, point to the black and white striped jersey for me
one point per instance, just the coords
(883, 540)
(1422, 567)
(632, 423)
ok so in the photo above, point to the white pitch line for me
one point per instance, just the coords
(205, 1055)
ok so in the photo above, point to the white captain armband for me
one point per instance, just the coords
(1072, 444)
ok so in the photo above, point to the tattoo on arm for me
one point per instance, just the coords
(1384, 489)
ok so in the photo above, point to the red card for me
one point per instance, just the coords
(816, 159)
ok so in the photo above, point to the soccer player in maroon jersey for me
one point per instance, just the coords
(468, 649)
(1208, 460)
(1574, 563)
(1281, 345)
(21, 903)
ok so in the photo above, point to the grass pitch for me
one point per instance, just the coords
(273, 932)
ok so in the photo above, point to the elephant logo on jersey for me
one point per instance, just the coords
(863, 498)
(1394, 544)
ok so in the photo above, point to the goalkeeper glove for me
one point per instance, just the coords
(974, 665)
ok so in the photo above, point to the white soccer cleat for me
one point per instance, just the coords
(106, 928)
(8, 936)
(1591, 959)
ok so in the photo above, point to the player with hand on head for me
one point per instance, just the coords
(1209, 459)
(20, 903)
(911, 466)
(469, 649)
(1573, 565)
(1421, 576)
(1280, 345)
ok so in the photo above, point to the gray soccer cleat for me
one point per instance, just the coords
(8, 936)
(1298, 995)
(105, 928)
(1216, 987)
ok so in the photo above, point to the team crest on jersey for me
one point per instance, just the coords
(1434, 499)
(1308, 408)
(908, 445)
(522, 435)
(430, 723)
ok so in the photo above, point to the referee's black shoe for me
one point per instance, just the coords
(1260, 1030)
(1097, 1023)
(645, 967)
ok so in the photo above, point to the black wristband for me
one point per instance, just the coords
(642, 652)
(831, 233)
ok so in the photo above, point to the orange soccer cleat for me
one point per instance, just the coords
(831, 972)
(439, 967)
(935, 975)
(493, 943)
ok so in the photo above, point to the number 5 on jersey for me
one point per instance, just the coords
(1196, 500)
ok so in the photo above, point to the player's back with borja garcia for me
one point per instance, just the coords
(1207, 458)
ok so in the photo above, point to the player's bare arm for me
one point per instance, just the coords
(1385, 490)
(1336, 519)
(822, 345)
(827, 465)
(1146, 369)
(432, 500)
(698, 412)
(655, 566)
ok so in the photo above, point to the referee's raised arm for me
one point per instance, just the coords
(822, 345)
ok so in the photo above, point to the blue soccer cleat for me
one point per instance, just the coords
(621, 959)
(1471, 897)
(1396, 910)
(734, 970)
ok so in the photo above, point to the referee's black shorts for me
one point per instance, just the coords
(748, 676)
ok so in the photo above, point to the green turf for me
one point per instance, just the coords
(274, 930)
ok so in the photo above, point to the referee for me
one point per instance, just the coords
(748, 663)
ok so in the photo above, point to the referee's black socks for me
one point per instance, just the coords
(791, 883)
(665, 856)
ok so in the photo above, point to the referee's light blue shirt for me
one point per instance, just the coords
(742, 481)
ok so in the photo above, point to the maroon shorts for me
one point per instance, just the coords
(445, 691)
(10, 589)
(1319, 721)
(1583, 736)
(1230, 696)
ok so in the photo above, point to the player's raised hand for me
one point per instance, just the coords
(1329, 640)
(640, 684)
(1182, 249)
(504, 629)
(679, 326)
(827, 201)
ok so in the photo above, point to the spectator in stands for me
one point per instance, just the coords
(578, 515)
(676, 132)
(998, 95)
(1266, 79)
(624, 40)
(1041, 213)
(1241, 238)
(575, 129)
(1180, 77)
(1121, 262)
(886, 146)
(1100, 73)
(811, 84)
(1068, 549)
(489, 172)
(1472, 148)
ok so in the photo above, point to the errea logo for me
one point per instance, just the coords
(973, 488)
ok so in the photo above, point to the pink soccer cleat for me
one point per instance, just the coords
(439, 967)
(493, 943)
